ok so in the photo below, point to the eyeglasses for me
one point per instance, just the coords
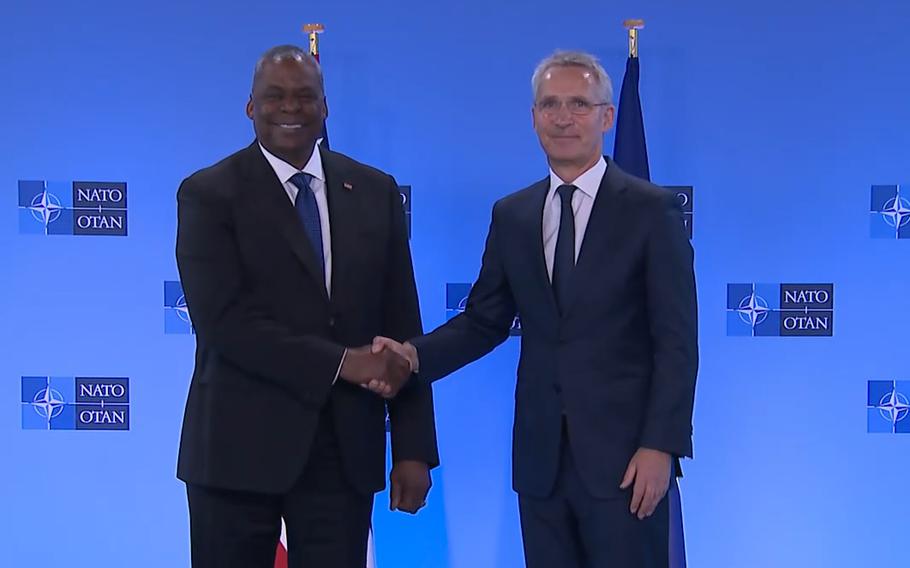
(578, 107)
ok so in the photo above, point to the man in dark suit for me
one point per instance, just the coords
(599, 267)
(289, 252)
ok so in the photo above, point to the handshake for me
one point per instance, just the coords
(383, 367)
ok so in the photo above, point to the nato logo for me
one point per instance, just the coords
(887, 407)
(889, 213)
(176, 314)
(684, 196)
(457, 300)
(77, 208)
(789, 310)
(405, 191)
(75, 403)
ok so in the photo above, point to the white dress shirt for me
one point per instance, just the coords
(285, 172)
(582, 202)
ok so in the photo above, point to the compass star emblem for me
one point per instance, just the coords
(753, 309)
(45, 208)
(897, 211)
(48, 403)
(894, 407)
(182, 311)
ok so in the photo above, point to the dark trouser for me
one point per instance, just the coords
(327, 521)
(572, 529)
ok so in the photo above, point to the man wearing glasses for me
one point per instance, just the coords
(599, 266)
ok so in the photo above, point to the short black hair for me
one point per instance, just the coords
(282, 52)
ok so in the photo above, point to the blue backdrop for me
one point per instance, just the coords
(781, 115)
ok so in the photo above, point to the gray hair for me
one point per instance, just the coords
(280, 53)
(574, 59)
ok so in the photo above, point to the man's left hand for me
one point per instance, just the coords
(650, 470)
(410, 484)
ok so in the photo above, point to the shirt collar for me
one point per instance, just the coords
(286, 171)
(588, 182)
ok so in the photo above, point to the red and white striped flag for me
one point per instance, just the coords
(281, 557)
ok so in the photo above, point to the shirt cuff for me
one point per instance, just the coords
(415, 368)
(340, 363)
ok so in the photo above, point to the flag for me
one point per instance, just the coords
(314, 31)
(631, 154)
(629, 148)
(281, 555)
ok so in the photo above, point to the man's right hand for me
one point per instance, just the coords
(361, 366)
(406, 350)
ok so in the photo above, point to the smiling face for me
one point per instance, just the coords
(287, 107)
(569, 137)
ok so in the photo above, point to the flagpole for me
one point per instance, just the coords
(629, 148)
(313, 31)
(633, 26)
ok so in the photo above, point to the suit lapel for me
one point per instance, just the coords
(602, 233)
(534, 222)
(267, 189)
(344, 211)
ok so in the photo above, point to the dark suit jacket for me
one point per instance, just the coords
(620, 364)
(269, 338)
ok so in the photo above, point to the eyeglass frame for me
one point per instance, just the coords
(565, 104)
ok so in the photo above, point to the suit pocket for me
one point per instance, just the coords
(216, 370)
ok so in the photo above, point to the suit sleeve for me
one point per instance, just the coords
(483, 325)
(226, 318)
(411, 415)
(672, 312)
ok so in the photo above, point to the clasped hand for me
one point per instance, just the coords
(383, 367)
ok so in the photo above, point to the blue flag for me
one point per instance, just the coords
(631, 154)
(629, 148)
(324, 138)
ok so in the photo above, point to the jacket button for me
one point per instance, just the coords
(331, 322)
(557, 389)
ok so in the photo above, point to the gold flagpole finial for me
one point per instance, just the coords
(313, 31)
(633, 26)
